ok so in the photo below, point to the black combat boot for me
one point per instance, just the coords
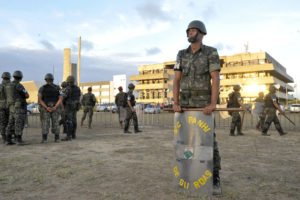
(67, 138)
(20, 142)
(127, 131)
(239, 131)
(281, 133)
(44, 138)
(231, 132)
(56, 139)
(9, 140)
(137, 131)
(216, 183)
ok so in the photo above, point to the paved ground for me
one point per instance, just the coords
(103, 163)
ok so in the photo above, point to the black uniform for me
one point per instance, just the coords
(130, 97)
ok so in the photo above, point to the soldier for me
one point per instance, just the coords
(195, 67)
(72, 105)
(50, 98)
(63, 116)
(16, 96)
(88, 101)
(130, 111)
(271, 105)
(119, 101)
(4, 114)
(235, 101)
(262, 117)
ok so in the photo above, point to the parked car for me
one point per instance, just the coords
(101, 108)
(113, 108)
(33, 108)
(151, 109)
(295, 107)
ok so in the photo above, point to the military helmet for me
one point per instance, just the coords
(64, 84)
(131, 86)
(236, 87)
(272, 89)
(18, 74)
(198, 25)
(49, 76)
(70, 79)
(6, 75)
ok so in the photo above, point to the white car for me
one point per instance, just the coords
(152, 110)
(295, 107)
(101, 108)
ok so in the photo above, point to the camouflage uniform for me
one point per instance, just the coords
(262, 117)
(50, 94)
(195, 86)
(88, 101)
(235, 98)
(4, 113)
(271, 114)
(119, 101)
(129, 114)
(16, 102)
(72, 105)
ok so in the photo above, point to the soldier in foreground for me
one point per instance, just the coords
(261, 116)
(16, 96)
(4, 112)
(62, 120)
(130, 111)
(88, 102)
(195, 67)
(72, 105)
(119, 101)
(50, 98)
(271, 105)
(235, 101)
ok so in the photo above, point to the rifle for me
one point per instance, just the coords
(288, 119)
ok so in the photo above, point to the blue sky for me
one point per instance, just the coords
(117, 36)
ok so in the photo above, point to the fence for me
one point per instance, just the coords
(165, 119)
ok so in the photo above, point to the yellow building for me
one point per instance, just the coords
(103, 91)
(155, 83)
(255, 72)
(32, 88)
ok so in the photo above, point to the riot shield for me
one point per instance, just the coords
(193, 166)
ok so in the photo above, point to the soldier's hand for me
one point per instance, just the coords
(133, 110)
(49, 109)
(177, 108)
(209, 109)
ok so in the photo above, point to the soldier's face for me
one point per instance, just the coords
(192, 32)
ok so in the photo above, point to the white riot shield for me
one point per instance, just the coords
(193, 167)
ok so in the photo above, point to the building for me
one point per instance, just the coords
(103, 91)
(119, 80)
(69, 68)
(32, 87)
(255, 72)
(155, 83)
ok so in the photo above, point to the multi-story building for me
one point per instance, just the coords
(103, 91)
(255, 72)
(155, 83)
(32, 87)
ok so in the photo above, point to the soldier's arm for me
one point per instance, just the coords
(214, 92)
(116, 98)
(130, 106)
(277, 107)
(176, 86)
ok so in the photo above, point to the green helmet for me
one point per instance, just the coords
(18, 74)
(6, 75)
(236, 87)
(272, 89)
(198, 25)
(70, 79)
(64, 84)
(49, 76)
(131, 86)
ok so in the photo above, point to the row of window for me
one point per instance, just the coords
(244, 62)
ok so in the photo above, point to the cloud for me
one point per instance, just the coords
(47, 44)
(153, 51)
(85, 45)
(151, 11)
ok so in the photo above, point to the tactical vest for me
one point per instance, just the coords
(87, 99)
(195, 85)
(233, 100)
(75, 95)
(269, 101)
(132, 99)
(13, 96)
(50, 93)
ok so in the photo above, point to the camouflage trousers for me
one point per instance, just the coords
(90, 111)
(16, 121)
(236, 122)
(46, 117)
(131, 115)
(261, 121)
(3, 120)
(272, 117)
(71, 118)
